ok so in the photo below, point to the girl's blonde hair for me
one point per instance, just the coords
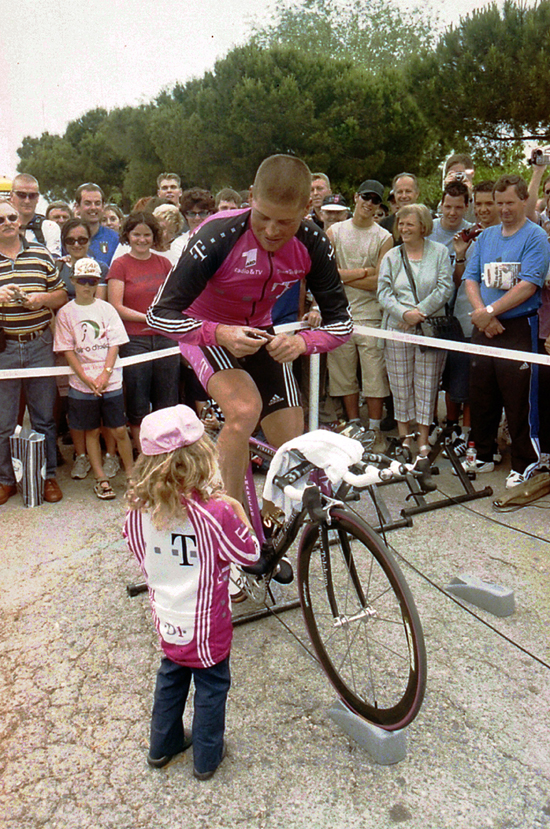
(159, 482)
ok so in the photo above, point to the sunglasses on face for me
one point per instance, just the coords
(13, 217)
(76, 240)
(372, 197)
(87, 280)
(23, 196)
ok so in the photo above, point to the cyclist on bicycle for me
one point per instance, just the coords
(218, 299)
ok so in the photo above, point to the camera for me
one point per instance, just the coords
(18, 295)
(539, 158)
(460, 176)
(470, 233)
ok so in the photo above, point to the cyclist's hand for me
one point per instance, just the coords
(313, 318)
(285, 348)
(241, 341)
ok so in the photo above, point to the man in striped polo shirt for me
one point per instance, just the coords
(30, 289)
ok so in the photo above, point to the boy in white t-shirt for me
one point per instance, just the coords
(89, 332)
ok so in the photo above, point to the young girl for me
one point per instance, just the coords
(185, 533)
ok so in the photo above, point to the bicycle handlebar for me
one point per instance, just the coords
(371, 475)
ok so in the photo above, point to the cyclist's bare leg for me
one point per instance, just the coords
(283, 425)
(238, 397)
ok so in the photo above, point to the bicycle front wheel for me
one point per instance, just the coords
(362, 620)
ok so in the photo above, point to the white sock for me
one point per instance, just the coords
(374, 425)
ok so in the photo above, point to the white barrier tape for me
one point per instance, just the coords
(14, 373)
(401, 336)
(450, 345)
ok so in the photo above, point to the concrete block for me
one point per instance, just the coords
(385, 747)
(494, 598)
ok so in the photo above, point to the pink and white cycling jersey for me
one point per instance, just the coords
(225, 277)
(187, 573)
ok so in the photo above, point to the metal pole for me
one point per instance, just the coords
(314, 375)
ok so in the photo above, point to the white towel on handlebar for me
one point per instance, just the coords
(329, 451)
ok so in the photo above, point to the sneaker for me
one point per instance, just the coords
(379, 444)
(160, 762)
(206, 775)
(514, 479)
(111, 465)
(81, 467)
(479, 467)
(459, 443)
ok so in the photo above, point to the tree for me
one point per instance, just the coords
(375, 34)
(83, 153)
(488, 79)
(257, 101)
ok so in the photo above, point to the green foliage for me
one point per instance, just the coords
(84, 153)
(375, 34)
(256, 102)
(489, 78)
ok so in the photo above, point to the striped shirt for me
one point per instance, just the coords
(187, 572)
(33, 270)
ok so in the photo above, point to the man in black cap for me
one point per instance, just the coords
(360, 244)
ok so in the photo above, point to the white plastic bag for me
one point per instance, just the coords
(28, 457)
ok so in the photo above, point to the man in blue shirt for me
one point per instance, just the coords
(503, 280)
(90, 202)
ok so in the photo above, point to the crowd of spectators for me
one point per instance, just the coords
(484, 257)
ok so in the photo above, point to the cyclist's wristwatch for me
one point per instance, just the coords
(490, 309)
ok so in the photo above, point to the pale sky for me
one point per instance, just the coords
(60, 59)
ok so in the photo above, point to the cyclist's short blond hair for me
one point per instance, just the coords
(283, 179)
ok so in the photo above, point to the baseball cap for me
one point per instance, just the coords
(87, 267)
(334, 202)
(371, 186)
(168, 429)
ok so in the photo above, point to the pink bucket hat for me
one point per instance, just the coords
(168, 429)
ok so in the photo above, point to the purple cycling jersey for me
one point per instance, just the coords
(225, 277)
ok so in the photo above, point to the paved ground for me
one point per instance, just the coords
(78, 659)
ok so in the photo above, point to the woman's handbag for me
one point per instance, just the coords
(444, 327)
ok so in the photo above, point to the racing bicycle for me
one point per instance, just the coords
(357, 607)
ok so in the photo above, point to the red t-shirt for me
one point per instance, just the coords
(142, 278)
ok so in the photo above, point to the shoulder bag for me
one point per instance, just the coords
(444, 327)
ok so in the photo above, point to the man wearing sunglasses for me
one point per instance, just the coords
(360, 244)
(24, 197)
(30, 289)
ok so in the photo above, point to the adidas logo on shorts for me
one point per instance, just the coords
(275, 399)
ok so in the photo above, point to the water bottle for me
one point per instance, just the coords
(471, 457)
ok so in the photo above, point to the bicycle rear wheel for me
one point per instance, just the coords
(362, 620)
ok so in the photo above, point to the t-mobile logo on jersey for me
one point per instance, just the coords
(251, 257)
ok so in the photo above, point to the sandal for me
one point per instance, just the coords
(104, 490)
